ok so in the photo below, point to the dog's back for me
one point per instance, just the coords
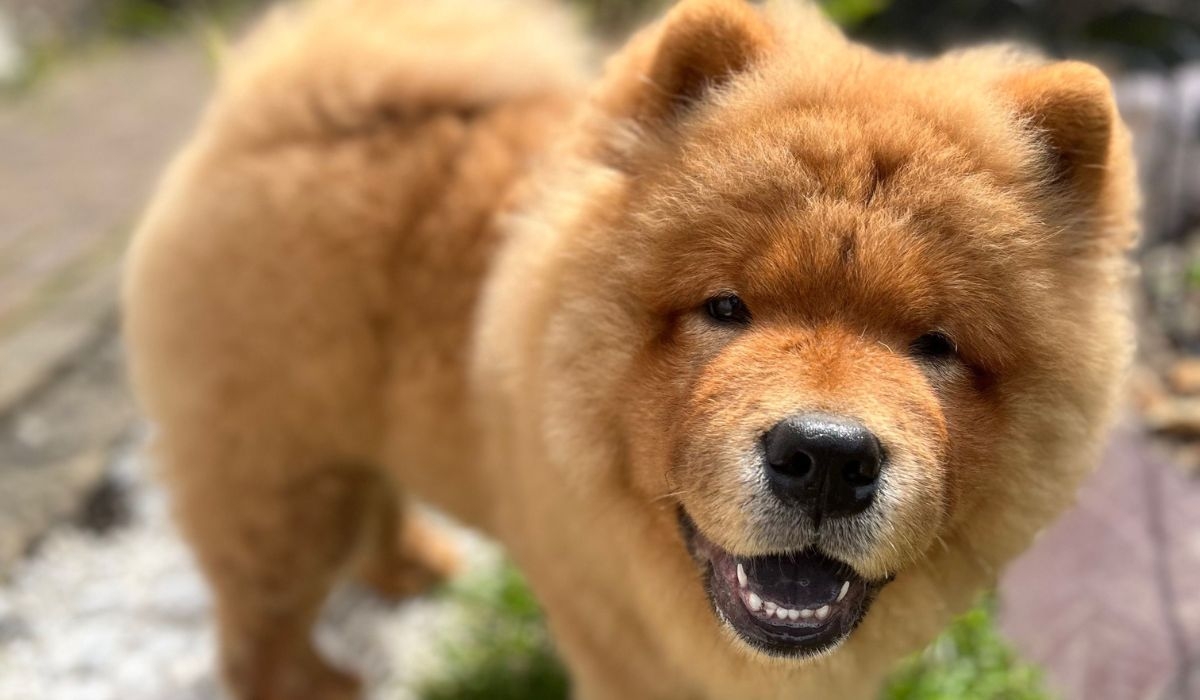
(298, 299)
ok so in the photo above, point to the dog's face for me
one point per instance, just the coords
(838, 316)
(839, 324)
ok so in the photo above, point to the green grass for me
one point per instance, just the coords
(507, 654)
(135, 19)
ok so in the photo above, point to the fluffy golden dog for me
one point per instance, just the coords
(762, 353)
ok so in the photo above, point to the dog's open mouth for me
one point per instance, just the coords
(793, 604)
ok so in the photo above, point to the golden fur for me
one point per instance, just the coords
(409, 252)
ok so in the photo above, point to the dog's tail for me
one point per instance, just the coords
(330, 67)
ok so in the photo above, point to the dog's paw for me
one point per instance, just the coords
(307, 677)
(425, 557)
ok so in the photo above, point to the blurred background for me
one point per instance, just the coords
(99, 600)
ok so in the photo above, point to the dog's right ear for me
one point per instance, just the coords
(698, 46)
(1070, 109)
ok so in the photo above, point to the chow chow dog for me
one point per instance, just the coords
(760, 351)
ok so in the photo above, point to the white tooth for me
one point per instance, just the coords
(822, 612)
(794, 614)
(769, 607)
(806, 613)
(755, 602)
(742, 576)
(845, 588)
(781, 613)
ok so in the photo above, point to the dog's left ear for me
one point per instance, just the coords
(698, 46)
(1070, 106)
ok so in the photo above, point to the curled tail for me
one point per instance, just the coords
(343, 65)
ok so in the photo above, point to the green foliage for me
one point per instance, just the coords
(506, 654)
(135, 18)
(970, 661)
(1193, 275)
(851, 13)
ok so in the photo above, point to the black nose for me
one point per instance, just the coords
(826, 464)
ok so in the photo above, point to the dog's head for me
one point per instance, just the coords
(840, 318)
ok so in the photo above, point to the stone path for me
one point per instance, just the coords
(99, 599)
(1108, 600)
(78, 158)
(122, 613)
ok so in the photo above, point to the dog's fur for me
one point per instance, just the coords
(410, 253)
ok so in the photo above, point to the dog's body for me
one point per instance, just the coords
(408, 254)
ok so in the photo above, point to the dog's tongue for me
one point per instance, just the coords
(803, 579)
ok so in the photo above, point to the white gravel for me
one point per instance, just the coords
(125, 616)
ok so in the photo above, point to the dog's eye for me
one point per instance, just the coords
(933, 346)
(728, 308)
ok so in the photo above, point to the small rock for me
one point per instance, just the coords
(1184, 376)
(12, 625)
(12, 58)
(106, 507)
(1178, 417)
(32, 430)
